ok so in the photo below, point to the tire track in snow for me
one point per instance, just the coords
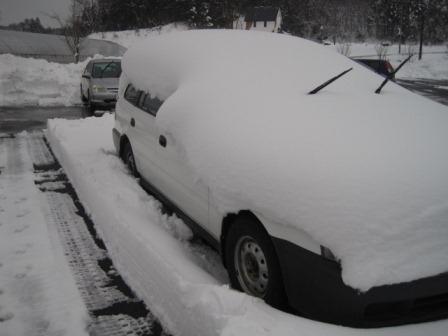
(112, 305)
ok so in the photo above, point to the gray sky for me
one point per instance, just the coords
(13, 11)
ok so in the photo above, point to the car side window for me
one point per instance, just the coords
(132, 94)
(150, 104)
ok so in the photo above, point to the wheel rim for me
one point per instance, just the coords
(251, 267)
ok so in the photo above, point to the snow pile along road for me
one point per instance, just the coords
(364, 174)
(36, 82)
(183, 288)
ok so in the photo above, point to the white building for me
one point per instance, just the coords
(267, 19)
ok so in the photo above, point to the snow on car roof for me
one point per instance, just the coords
(365, 174)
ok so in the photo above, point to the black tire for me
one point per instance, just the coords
(129, 159)
(252, 263)
(90, 107)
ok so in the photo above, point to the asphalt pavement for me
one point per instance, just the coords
(433, 89)
(33, 118)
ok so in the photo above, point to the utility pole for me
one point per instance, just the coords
(422, 28)
(423, 10)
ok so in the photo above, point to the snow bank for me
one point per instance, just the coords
(29, 81)
(185, 289)
(364, 174)
(129, 37)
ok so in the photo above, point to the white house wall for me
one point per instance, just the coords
(270, 26)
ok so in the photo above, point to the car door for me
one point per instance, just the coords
(166, 169)
(141, 146)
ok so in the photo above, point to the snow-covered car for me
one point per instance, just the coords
(99, 84)
(328, 199)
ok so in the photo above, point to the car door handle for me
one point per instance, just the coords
(162, 141)
(132, 122)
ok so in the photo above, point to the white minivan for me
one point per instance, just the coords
(167, 130)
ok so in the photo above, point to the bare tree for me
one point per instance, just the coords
(344, 48)
(381, 50)
(72, 26)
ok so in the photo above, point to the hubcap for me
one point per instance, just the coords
(251, 267)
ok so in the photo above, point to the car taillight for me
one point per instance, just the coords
(389, 67)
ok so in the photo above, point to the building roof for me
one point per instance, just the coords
(33, 44)
(261, 14)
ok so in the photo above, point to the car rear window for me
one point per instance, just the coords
(106, 69)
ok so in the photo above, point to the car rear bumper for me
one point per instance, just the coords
(315, 289)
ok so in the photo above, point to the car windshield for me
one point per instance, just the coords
(106, 69)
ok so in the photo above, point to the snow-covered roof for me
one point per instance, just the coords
(34, 44)
(14, 42)
(365, 174)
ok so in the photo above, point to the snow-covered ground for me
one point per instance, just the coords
(129, 37)
(431, 66)
(369, 49)
(434, 64)
(38, 295)
(185, 288)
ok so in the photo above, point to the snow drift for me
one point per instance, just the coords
(365, 174)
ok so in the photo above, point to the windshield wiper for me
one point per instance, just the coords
(104, 69)
(378, 91)
(328, 82)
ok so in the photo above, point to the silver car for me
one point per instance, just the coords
(99, 84)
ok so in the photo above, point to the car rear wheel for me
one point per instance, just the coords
(252, 263)
(129, 159)
(90, 106)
